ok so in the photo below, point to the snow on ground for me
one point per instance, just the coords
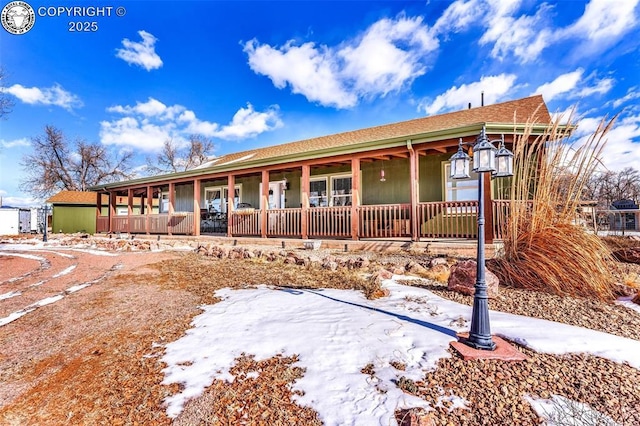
(561, 411)
(9, 295)
(337, 332)
(627, 303)
(64, 271)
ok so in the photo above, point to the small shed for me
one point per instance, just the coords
(74, 211)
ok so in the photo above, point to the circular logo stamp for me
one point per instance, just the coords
(18, 17)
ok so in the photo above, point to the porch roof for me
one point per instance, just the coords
(498, 118)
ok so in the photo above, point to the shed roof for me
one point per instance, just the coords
(74, 197)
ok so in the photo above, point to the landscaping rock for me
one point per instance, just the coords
(415, 417)
(385, 274)
(439, 261)
(463, 279)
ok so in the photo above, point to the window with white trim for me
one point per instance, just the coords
(459, 189)
(318, 192)
(341, 191)
(215, 198)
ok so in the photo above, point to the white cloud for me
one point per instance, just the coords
(147, 125)
(623, 141)
(14, 143)
(24, 202)
(141, 134)
(623, 144)
(249, 123)
(604, 21)
(632, 93)
(459, 16)
(495, 87)
(562, 84)
(525, 37)
(389, 55)
(151, 108)
(573, 85)
(54, 95)
(140, 53)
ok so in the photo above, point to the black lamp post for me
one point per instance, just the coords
(498, 162)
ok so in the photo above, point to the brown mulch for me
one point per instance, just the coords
(588, 313)
(94, 357)
(495, 389)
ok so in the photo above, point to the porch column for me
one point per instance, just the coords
(304, 189)
(414, 178)
(98, 209)
(172, 188)
(112, 209)
(147, 225)
(196, 207)
(488, 209)
(355, 198)
(265, 202)
(129, 209)
(231, 184)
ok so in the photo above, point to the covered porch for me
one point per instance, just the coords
(401, 192)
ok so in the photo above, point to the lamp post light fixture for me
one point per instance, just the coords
(498, 162)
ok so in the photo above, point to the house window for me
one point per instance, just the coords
(164, 202)
(460, 189)
(216, 198)
(341, 191)
(318, 193)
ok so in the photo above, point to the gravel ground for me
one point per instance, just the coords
(94, 356)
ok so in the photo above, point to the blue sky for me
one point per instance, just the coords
(250, 74)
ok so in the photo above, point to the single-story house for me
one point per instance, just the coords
(385, 181)
(624, 215)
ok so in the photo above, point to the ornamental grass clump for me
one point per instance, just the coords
(545, 248)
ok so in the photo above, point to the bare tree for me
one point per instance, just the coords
(57, 164)
(609, 186)
(173, 159)
(6, 104)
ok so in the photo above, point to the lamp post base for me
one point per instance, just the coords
(478, 342)
(504, 350)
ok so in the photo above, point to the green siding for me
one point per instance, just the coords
(395, 189)
(431, 177)
(70, 219)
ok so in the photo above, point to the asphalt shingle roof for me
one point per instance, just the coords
(74, 197)
(531, 109)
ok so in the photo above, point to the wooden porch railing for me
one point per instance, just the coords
(102, 224)
(435, 220)
(453, 219)
(158, 223)
(138, 223)
(330, 222)
(181, 223)
(246, 223)
(284, 222)
(120, 224)
(385, 220)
